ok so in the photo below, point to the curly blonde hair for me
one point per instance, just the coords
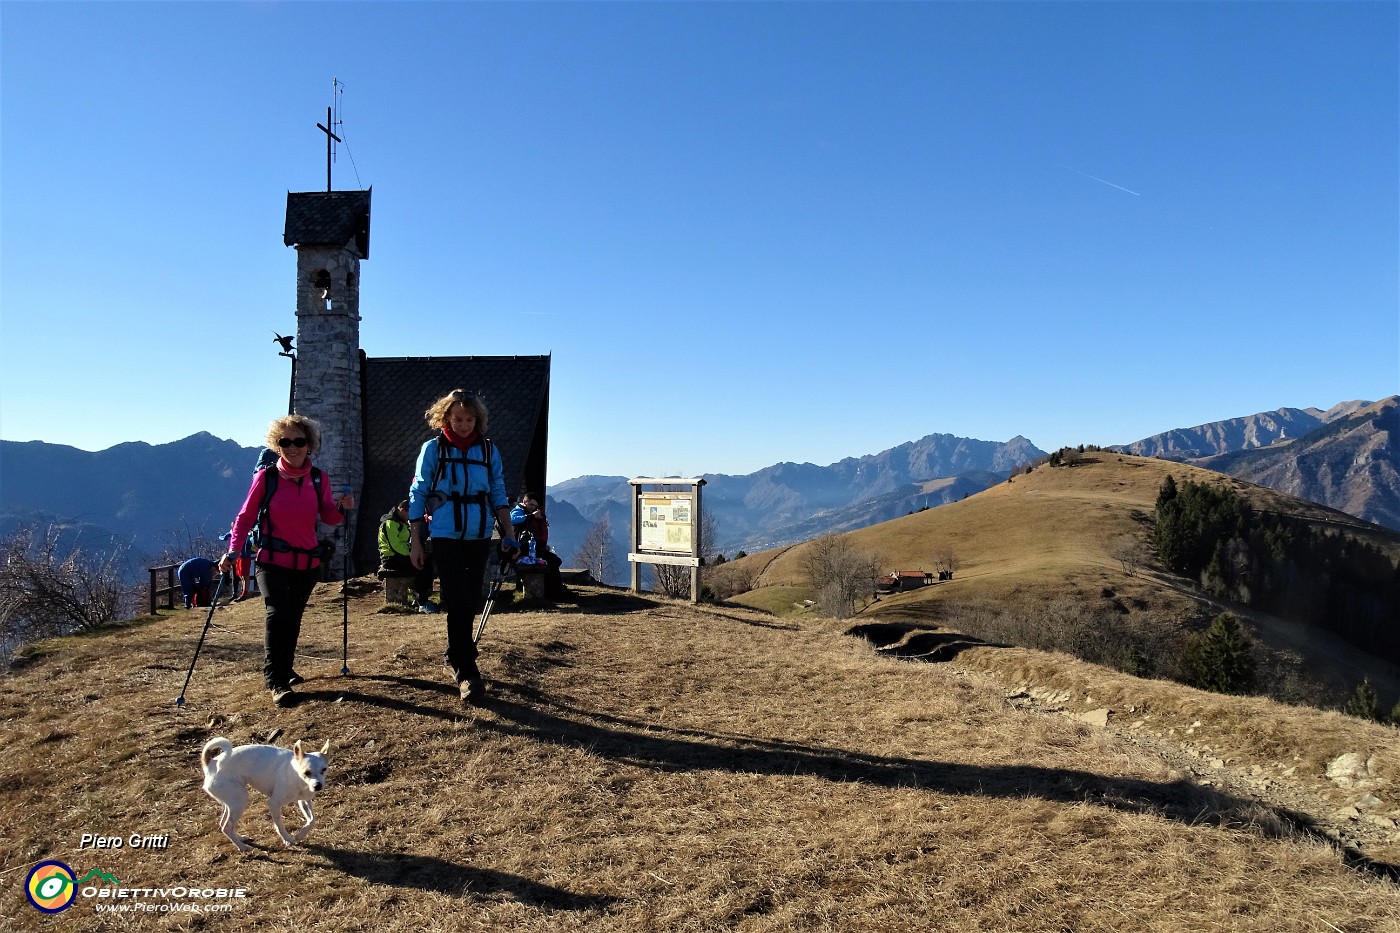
(437, 412)
(308, 428)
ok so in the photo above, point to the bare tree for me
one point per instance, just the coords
(841, 575)
(180, 544)
(732, 577)
(671, 580)
(47, 590)
(945, 559)
(595, 553)
(1129, 552)
(709, 538)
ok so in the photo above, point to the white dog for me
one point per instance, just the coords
(284, 775)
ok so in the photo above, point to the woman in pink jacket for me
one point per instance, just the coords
(281, 510)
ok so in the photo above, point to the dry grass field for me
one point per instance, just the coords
(649, 765)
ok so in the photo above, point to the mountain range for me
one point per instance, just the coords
(152, 497)
(1350, 462)
(1344, 457)
(789, 502)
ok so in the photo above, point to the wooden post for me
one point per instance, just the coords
(697, 546)
(634, 540)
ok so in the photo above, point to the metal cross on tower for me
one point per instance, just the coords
(329, 136)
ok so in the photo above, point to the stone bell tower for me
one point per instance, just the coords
(330, 231)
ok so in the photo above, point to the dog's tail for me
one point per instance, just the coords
(212, 749)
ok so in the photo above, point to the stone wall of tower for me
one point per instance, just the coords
(328, 365)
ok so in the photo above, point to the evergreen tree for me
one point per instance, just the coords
(1167, 491)
(1364, 704)
(1213, 578)
(1222, 660)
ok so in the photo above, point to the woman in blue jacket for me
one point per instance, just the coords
(458, 489)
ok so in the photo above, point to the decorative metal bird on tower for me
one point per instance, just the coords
(286, 343)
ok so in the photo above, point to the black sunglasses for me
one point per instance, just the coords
(285, 442)
(463, 395)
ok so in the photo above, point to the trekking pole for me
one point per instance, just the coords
(491, 598)
(345, 598)
(213, 604)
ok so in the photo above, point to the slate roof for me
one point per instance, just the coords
(328, 218)
(396, 393)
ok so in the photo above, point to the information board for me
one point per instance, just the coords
(665, 522)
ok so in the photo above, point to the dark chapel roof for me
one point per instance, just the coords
(397, 391)
(328, 218)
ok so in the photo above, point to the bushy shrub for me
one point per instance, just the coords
(49, 589)
(731, 579)
(1146, 647)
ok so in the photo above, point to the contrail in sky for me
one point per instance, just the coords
(1103, 182)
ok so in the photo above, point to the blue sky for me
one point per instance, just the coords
(747, 232)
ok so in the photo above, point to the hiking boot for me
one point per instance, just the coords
(283, 697)
(473, 692)
(295, 679)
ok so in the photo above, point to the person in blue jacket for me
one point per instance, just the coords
(531, 524)
(458, 494)
(195, 575)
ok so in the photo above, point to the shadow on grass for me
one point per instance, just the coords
(426, 873)
(349, 692)
(519, 711)
(774, 622)
(654, 745)
(607, 604)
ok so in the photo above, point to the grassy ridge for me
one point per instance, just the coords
(1048, 536)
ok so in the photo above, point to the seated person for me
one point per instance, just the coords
(394, 560)
(528, 518)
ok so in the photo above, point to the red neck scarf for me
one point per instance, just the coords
(456, 440)
(291, 472)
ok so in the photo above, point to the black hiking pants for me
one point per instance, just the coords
(461, 570)
(285, 594)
